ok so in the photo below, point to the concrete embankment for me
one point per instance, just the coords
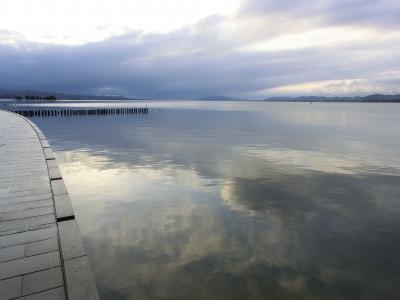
(41, 251)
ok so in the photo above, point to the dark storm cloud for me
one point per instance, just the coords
(208, 58)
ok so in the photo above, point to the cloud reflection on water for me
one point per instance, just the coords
(235, 204)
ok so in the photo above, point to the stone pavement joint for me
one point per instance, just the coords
(41, 251)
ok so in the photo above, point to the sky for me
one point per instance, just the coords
(185, 49)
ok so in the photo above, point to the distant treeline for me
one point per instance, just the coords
(31, 97)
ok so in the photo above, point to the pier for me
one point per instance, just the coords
(41, 251)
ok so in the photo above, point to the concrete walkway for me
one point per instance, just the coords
(41, 250)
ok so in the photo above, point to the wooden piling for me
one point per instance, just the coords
(64, 112)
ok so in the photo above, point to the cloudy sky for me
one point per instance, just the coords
(190, 49)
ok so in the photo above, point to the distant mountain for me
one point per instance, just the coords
(370, 98)
(219, 98)
(378, 97)
(11, 94)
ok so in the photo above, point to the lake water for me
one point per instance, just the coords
(237, 200)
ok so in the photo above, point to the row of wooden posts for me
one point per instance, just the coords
(81, 112)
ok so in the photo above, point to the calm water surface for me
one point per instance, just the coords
(203, 200)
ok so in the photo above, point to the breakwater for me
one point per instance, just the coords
(66, 112)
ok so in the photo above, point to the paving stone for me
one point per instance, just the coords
(58, 187)
(45, 144)
(40, 191)
(5, 183)
(17, 225)
(54, 173)
(35, 187)
(10, 288)
(40, 247)
(15, 194)
(41, 136)
(79, 279)
(48, 153)
(25, 205)
(32, 212)
(54, 294)
(29, 264)
(39, 172)
(42, 226)
(35, 222)
(27, 237)
(33, 125)
(71, 240)
(27, 198)
(63, 207)
(11, 231)
(42, 280)
(10, 253)
(52, 164)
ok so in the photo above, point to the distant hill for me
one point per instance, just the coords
(370, 98)
(218, 98)
(377, 97)
(11, 94)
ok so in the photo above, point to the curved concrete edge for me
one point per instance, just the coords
(79, 280)
(62, 202)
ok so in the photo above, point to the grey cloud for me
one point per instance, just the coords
(196, 61)
(381, 13)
